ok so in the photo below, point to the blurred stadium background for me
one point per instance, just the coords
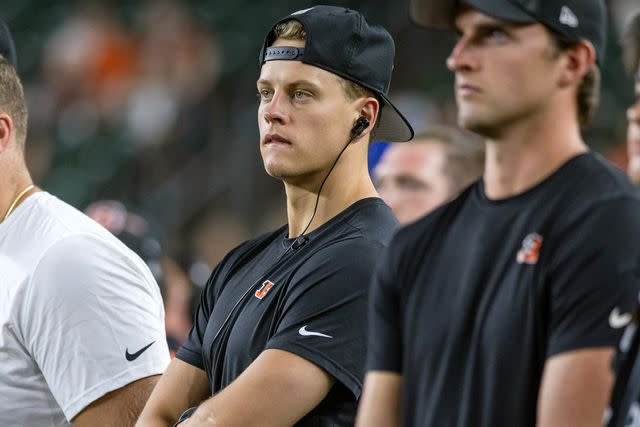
(152, 103)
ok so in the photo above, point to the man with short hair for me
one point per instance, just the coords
(279, 336)
(502, 307)
(624, 405)
(415, 178)
(81, 319)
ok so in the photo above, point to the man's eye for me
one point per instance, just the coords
(265, 94)
(496, 34)
(299, 94)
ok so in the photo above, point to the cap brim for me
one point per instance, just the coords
(440, 14)
(392, 126)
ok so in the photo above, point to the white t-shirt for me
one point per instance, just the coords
(75, 305)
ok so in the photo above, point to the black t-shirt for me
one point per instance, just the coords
(312, 303)
(471, 300)
(624, 409)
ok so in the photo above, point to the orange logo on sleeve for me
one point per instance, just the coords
(530, 251)
(264, 289)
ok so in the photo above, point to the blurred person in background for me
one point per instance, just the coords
(503, 307)
(624, 406)
(631, 46)
(82, 336)
(279, 335)
(415, 178)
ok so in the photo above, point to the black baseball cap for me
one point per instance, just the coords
(341, 41)
(7, 47)
(574, 20)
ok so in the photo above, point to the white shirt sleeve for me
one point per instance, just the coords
(94, 320)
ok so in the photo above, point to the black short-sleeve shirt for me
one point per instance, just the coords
(470, 301)
(312, 302)
(624, 405)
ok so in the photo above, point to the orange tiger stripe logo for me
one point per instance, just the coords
(530, 251)
(264, 289)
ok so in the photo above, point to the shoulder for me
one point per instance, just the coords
(413, 234)
(79, 265)
(55, 226)
(240, 256)
(372, 220)
(598, 193)
(598, 177)
(244, 251)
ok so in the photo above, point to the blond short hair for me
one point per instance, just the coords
(12, 99)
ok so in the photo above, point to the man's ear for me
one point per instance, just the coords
(369, 109)
(580, 58)
(6, 131)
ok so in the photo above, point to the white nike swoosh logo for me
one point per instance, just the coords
(617, 320)
(303, 331)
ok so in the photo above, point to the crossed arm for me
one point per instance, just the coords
(277, 389)
(574, 392)
(119, 408)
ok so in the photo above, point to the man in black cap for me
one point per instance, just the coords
(624, 406)
(82, 338)
(502, 308)
(279, 336)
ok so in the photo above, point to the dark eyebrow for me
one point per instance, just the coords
(301, 82)
(488, 24)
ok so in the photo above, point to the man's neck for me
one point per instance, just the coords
(15, 182)
(342, 189)
(528, 153)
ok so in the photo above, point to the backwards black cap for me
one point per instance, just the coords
(340, 41)
(7, 47)
(575, 20)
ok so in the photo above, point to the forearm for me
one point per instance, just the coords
(154, 420)
(277, 390)
(217, 411)
(380, 402)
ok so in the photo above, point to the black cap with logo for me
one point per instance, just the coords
(7, 47)
(340, 40)
(572, 19)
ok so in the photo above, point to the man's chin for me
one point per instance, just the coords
(474, 123)
(278, 172)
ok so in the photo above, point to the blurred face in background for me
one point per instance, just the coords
(633, 133)
(304, 118)
(410, 178)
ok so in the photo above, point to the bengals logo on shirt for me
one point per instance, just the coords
(530, 251)
(264, 289)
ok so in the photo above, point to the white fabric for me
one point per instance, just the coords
(73, 300)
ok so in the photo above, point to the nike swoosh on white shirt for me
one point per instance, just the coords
(617, 320)
(303, 331)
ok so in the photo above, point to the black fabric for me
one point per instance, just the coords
(320, 288)
(470, 301)
(624, 408)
